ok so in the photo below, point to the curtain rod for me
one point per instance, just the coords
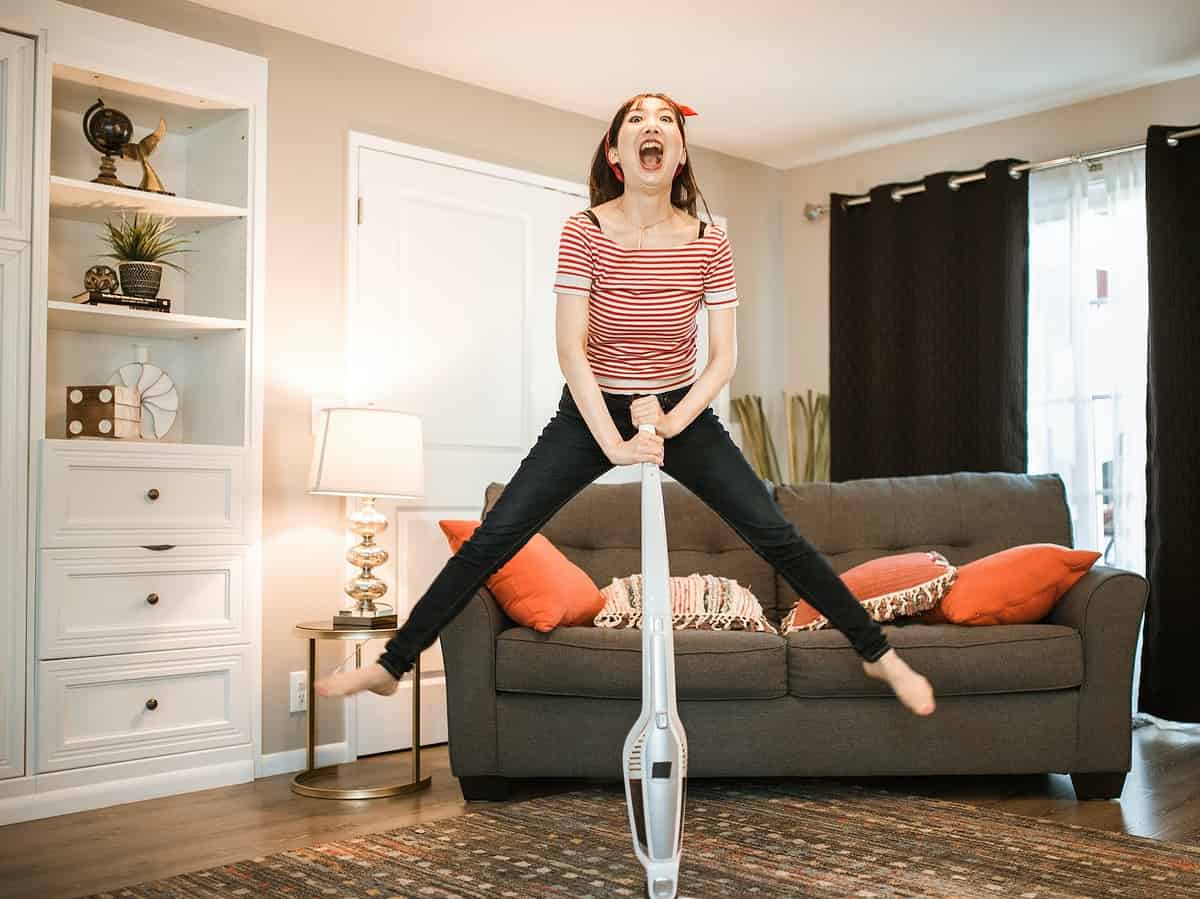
(813, 211)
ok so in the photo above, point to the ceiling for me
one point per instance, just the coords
(780, 83)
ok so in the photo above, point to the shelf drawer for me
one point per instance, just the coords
(109, 493)
(105, 601)
(115, 708)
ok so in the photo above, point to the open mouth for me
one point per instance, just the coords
(650, 155)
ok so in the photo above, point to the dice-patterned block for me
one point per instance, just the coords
(103, 410)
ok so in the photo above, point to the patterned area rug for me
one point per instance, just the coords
(742, 838)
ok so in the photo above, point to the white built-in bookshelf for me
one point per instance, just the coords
(204, 160)
(142, 571)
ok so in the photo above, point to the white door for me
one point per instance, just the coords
(451, 317)
(16, 144)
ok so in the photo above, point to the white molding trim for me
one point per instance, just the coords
(362, 140)
(291, 760)
(61, 793)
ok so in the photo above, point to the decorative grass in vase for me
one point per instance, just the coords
(756, 431)
(141, 248)
(814, 415)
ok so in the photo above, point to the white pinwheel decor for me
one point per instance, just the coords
(160, 399)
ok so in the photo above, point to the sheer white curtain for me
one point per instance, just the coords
(1087, 347)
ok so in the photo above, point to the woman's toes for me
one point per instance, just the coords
(911, 688)
(918, 695)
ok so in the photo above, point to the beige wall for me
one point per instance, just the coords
(313, 82)
(1117, 120)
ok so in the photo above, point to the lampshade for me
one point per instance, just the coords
(364, 451)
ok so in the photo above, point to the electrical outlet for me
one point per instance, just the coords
(298, 681)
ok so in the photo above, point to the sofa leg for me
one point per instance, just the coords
(484, 787)
(1098, 784)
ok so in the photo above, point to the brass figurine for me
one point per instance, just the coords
(141, 151)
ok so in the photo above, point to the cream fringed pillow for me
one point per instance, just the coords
(888, 588)
(701, 601)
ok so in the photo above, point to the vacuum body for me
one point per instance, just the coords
(655, 752)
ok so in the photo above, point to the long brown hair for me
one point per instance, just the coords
(603, 185)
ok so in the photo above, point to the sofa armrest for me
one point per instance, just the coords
(1105, 606)
(469, 658)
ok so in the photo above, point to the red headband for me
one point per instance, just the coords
(686, 110)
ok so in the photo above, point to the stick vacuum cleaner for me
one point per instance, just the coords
(655, 753)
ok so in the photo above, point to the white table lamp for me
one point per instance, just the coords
(370, 453)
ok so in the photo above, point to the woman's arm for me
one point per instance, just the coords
(722, 360)
(571, 321)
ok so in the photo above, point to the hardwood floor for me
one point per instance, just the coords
(72, 855)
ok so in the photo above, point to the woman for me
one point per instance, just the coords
(632, 272)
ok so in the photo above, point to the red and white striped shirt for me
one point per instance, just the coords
(643, 302)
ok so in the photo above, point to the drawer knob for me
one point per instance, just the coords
(152, 704)
(152, 599)
(152, 493)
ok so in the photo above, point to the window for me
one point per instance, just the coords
(1087, 348)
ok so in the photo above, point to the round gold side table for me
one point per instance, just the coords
(303, 781)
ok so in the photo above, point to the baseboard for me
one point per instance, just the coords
(49, 798)
(99, 786)
(293, 759)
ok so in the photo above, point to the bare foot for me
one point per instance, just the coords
(373, 677)
(912, 689)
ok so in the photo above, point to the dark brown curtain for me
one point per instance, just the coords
(928, 325)
(1168, 685)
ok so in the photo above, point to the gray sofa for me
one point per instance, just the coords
(1047, 697)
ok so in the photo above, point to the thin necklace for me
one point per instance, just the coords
(643, 228)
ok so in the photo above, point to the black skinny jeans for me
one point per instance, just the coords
(566, 458)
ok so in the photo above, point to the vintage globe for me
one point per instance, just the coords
(107, 129)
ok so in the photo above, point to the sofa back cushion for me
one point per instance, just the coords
(600, 530)
(963, 515)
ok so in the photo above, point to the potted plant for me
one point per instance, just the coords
(140, 247)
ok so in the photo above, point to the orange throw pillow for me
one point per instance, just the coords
(888, 588)
(1019, 585)
(539, 587)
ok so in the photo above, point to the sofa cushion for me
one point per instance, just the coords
(892, 587)
(957, 660)
(606, 663)
(1018, 585)
(704, 601)
(539, 587)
